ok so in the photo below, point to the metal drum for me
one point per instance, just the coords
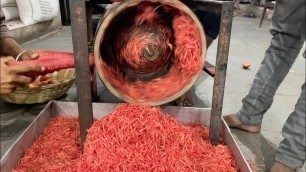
(151, 75)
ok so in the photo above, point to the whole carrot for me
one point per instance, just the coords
(51, 62)
(47, 54)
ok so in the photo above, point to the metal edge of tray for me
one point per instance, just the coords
(229, 140)
(25, 140)
(54, 108)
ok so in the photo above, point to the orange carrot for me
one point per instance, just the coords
(51, 61)
(246, 65)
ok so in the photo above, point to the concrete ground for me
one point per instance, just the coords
(248, 43)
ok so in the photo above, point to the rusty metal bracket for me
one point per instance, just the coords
(80, 48)
(210, 69)
(225, 8)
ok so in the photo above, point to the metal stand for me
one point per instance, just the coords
(82, 34)
(225, 9)
(80, 48)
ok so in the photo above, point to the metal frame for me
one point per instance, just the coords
(225, 9)
(80, 48)
(82, 23)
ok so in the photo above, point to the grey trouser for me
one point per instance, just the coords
(288, 30)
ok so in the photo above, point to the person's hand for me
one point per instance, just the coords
(29, 55)
(11, 76)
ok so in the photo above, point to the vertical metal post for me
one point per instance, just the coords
(88, 5)
(81, 60)
(221, 66)
(90, 34)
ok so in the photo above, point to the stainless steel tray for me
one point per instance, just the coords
(55, 108)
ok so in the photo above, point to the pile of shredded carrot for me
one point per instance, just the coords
(56, 149)
(178, 40)
(132, 138)
(143, 138)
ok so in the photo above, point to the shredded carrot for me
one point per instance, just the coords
(132, 138)
(179, 43)
(143, 138)
(57, 148)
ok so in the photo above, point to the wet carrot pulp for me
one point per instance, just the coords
(131, 138)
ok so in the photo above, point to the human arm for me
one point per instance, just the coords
(9, 46)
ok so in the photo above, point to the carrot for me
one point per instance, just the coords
(50, 62)
(40, 80)
(56, 149)
(46, 54)
(246, 65)
(143, 138)
(131, 138)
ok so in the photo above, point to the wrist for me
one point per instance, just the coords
(9, 47)
(20, 54)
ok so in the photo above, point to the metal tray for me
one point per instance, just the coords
(55, 108)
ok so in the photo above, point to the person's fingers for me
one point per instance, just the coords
(6, 60)
(21, 80)
(8, 85)
(23, 69)
(6, 90)
(29, 55)
(34, 54)
(16, 80)
(20, 84)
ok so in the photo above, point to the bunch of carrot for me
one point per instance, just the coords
(132, 138)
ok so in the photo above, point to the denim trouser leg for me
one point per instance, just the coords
(288, 30)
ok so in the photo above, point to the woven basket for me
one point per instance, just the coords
(65, 78)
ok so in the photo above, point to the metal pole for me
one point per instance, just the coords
(89, 21)
(90, 34)
(81, 60)
(221, 66)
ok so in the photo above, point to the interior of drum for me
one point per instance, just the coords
(149, 74)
